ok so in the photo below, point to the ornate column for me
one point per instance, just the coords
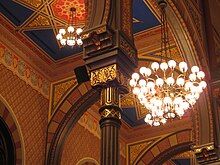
(110, 57)
(110, 123)
(209, 153)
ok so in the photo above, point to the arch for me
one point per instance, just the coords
(87, 160)
(166, 148)
(9, 118)
(7, 146)
(79, 99)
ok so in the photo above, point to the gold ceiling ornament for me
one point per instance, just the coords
(167, 93)
(70, 36)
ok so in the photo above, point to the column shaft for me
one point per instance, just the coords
(110, 124)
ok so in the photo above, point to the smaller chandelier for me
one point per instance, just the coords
(70, 36)
(167, 89)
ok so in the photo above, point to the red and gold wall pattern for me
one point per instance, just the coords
(30, 109)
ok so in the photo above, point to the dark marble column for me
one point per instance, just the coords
(110, 124)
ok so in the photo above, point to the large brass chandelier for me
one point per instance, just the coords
(70, 36)
(167, 89)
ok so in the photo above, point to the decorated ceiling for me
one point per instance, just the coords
(38, 21)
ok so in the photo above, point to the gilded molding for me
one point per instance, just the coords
(110, 96)
(103, 75)
(206, 154)
(107, 113)
(208, 147)
(32, 4)
(24, 71)
(39, 21)
(90, 123)
(128, 49)
(136, 149)
(58, 91)
(126, 18)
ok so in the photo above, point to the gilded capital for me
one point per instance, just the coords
(101, 76)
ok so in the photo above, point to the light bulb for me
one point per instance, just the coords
(188, 85)
(163, 66)
(153, 92)
(201, 75)
(79, 31)
(156, 123)
(159, 113)
(170, 81)
(136, 90)
(192, 77)
(183, 67)
(144, 90)
(159, 82)
(150, 122)
(203, 84)
(185, 105)
(196, 96)
(142, 83)
(145, 71)
(150, 84)
(140, 96)
(199, 89)
(62, 31)
(180, 81)
(135, 76)
(193, 89)
(155, 66)
(180, 112)
(172, 64)
(70, 29)
(79, 41)
(178, 100)
(163, 120)
(63, 42)
(133, 83)
(167, 100)
(195, 69)
(71, 42)
(59, 36)
(148, 116)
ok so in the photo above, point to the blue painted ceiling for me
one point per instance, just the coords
(19, 13)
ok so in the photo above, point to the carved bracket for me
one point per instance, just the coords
(207, 154)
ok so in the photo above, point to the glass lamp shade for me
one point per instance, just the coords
(62, 31)
(155, 66)
(183, 66)
(78, 31)
(59, 36)
(172, 64)
(63, 42)
(163, 66)
(79, 41)
(71, 42)
(70, 29)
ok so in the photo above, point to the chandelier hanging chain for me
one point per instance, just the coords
(164, 91)
(165, 43)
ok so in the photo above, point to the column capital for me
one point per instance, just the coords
(207, 153)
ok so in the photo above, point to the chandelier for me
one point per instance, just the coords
(70, 36)
(167, 89)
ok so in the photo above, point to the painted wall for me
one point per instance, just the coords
(31, 111)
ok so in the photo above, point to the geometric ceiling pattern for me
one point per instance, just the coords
(39, 21)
